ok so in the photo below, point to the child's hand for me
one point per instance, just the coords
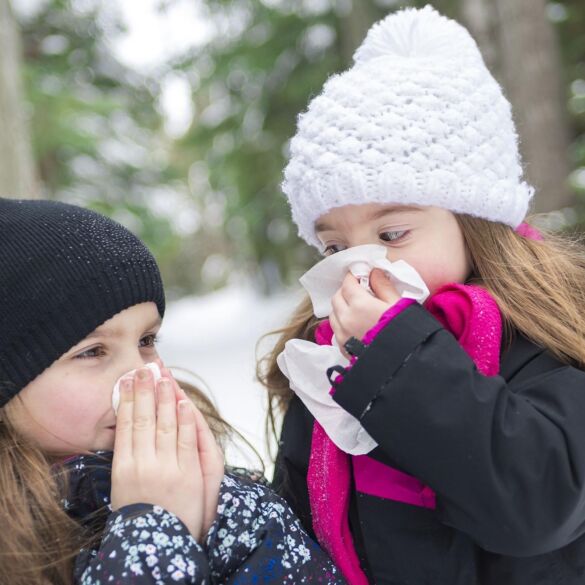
(210, 456)
(156, 453)
(355, 310)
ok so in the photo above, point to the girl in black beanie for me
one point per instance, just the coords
(81, 302)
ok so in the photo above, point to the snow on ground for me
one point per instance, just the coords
(215, 337)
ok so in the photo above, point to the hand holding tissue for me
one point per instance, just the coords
(153, 367)
(305, 363)
(325, 278)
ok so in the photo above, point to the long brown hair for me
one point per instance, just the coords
(539, 287)
(38, 540)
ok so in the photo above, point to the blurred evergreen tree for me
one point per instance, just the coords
(94, 122)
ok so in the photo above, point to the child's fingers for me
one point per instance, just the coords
(339, 304)
(144, 420)
(164, 371)
(179, 392)
(166, 420)
(351, 289)
(206, 443)
(337, 329)
(212, 468)
(187, 449)
(124, 420)
(383, 287)
(341, 335)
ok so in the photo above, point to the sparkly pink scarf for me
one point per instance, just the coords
(472, 316)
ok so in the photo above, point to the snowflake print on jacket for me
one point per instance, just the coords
(256, 538)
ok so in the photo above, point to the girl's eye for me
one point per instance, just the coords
(149, 341)
(333, 249)
(93, 352)
(392, 236)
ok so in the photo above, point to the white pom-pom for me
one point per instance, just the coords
(417, 33)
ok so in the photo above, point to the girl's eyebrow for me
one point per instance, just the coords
(393, 209)
(99, 332)
(322, 226)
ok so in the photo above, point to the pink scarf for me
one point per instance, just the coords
(472, 316)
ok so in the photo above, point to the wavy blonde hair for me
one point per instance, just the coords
(539, 287)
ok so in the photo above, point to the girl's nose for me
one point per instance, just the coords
(133, 363)
(363, 240)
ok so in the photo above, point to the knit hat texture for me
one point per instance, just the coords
(417, 120)
(64, 271)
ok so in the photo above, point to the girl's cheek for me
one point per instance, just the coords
(79, 403)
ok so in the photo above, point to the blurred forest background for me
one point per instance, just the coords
(184, 139)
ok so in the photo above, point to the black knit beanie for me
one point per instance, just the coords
(64, 271)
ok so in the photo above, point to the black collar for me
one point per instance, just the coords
(87, 497)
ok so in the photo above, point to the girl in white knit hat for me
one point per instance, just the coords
(448, 445)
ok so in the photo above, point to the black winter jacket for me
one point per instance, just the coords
(505, 456)
(255, 538)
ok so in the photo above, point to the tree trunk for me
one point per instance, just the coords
(479, 18)
(532, 73)
(356, 19)
(519, 45)
(17, 175)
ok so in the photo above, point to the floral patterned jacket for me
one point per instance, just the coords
(255, 538)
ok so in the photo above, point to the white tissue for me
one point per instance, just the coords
(116, 392)
(326, 277)
(305, 365)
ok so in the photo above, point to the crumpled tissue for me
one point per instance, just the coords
(324, 279)
(305, 365)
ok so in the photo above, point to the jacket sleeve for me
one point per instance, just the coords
(143, 545)
(256, 538)
(506, 460)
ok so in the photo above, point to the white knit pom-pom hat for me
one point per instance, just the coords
(417, 120)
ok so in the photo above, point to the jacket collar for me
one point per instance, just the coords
(87, 497)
